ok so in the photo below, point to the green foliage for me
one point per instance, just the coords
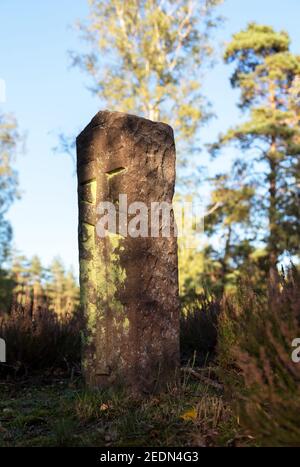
(6, 290)
(147, 56)
(229, 215)
(191, 264)
(255, 348)
(9, 139)
(267, 75)
(61, 289)
(34, 287)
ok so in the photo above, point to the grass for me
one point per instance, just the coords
(62, 412)
(244, 391)
(43, 401)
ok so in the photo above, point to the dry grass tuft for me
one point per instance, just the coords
(255, 348)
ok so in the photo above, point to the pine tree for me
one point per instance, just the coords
(71, 293)
(20, 275)
(268, 75)
(229, 228)
(62, 289)
(55, 286)
(36, 277)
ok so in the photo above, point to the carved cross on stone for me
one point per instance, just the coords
(129, 284)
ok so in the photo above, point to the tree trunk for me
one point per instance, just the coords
(273, 240)
(225, 260)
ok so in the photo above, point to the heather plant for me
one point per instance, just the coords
(255, 356)
(198, 328)
(43, 342)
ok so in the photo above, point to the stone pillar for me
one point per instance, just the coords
(129, 284)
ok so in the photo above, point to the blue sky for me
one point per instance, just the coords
(48, 97)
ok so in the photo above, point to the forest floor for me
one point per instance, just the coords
(61, 412)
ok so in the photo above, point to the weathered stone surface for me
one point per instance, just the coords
(129, 286)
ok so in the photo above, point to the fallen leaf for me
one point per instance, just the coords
(189, 415)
